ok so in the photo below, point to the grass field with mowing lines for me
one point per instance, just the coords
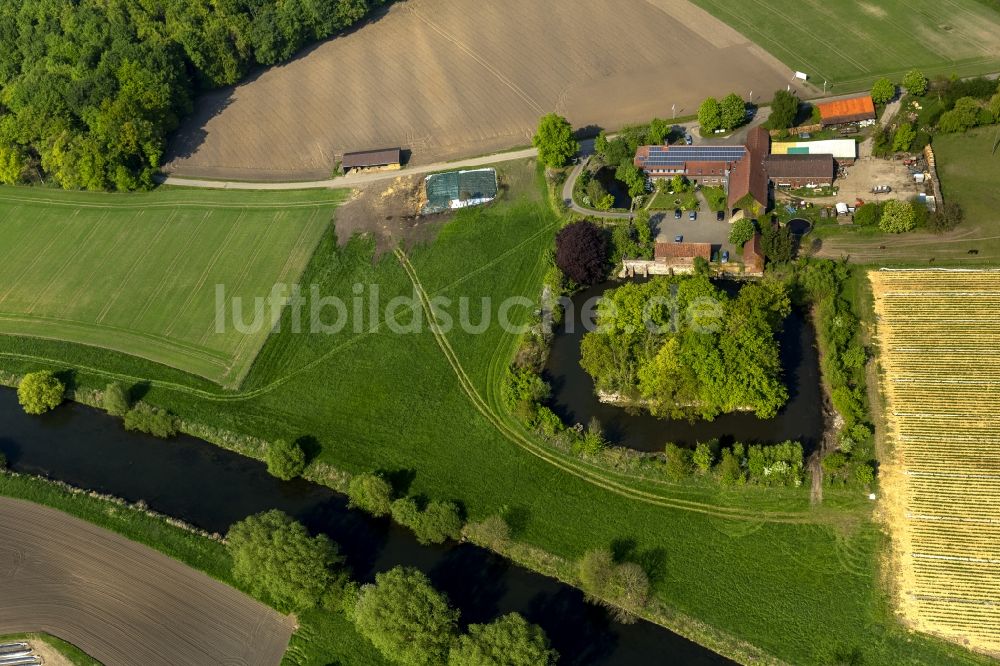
(138, 273)
(850, 43)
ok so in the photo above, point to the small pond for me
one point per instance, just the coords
(573, 398)
(606, 177)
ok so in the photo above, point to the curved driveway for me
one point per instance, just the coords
(121, 602)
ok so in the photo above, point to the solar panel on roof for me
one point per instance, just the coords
(678, 155)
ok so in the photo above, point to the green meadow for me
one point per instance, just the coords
(137, 273)
(850, 43)
(802, 583)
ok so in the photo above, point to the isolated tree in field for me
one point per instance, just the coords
(897, 217)
(915, 82)
(144, 417)
(554, 141)
(784, 108)
(274, 556)
(710, 115)
(904, 136)
(285, 460)
(883, 90)
(742, 231)
(115, 400)
(39, 392)
(371, 493)
(582, 252)
(405, 618)
(507, 641)
(733, 111)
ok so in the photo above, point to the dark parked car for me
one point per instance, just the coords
(720, 216)
(693, 215)
(677, 213)
(678, 239)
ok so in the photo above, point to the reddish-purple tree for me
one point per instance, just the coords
(582, 252)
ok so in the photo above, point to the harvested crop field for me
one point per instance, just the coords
(121, 602)
(446, 80)
(138, 273)
(939, 338)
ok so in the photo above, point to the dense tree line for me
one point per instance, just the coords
(683, 348)
(89, 90)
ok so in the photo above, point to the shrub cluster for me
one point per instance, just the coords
(144, 417)
(435, 522)
(737, 465)
(404, 617)
(826, 284)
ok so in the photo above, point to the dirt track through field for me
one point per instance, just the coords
(121, 602)
(446, 79)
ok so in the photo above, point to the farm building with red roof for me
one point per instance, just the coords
(844, 111)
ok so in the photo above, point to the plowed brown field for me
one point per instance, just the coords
(940, 355)
(449, 79)
(121, 602)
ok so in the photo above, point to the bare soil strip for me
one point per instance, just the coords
(939, 340)
(121, 602)
(447, 79)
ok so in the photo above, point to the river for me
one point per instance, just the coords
(574, 400)
(212, 488)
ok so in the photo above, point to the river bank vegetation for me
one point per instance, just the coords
(434, 413)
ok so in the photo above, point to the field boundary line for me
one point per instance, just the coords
(305, 233)
(174, 204)
(195, 351)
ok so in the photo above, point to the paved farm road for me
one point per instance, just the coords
(121, 602)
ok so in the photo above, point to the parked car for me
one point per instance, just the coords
(688, 139)
(693, 215)
(677, 213)
(678, 239)
(720, 216)
(725, 256)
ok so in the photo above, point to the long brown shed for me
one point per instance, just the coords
(383, 158)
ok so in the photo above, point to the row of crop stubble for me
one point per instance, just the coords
(940, 356)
